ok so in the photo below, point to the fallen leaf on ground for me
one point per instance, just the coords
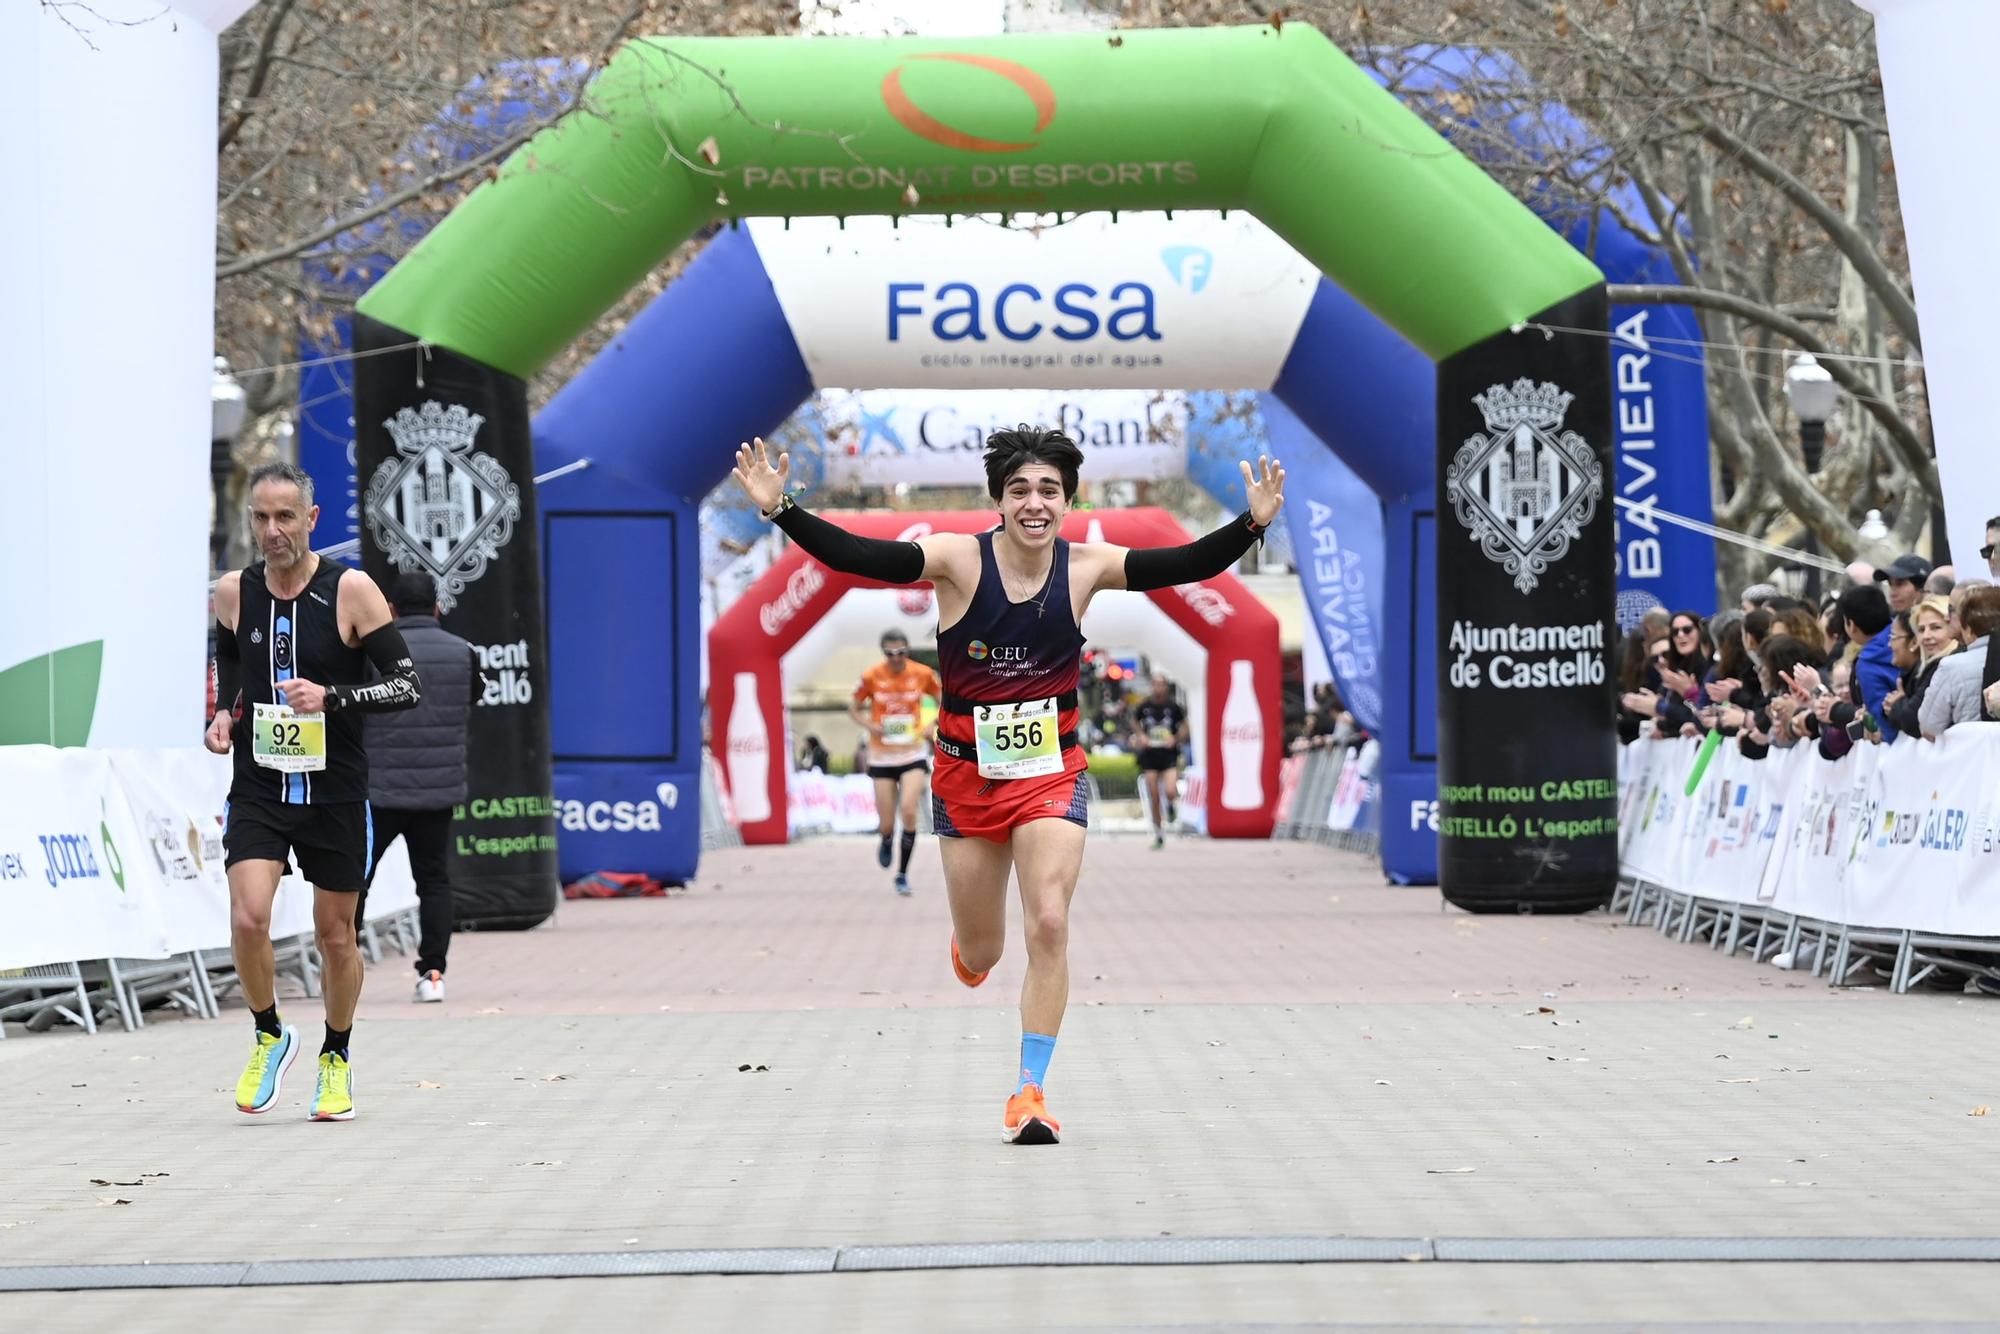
(1979, 1111)
(427, 1084)
(1730, 1159)
(108, 1200)
(1544, 1009)
(1744, 1022)
(553, 1079)
(1383, 1083)
(1751, 1080)
(1448, 1171)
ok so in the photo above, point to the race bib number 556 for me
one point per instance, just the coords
(1018, 740)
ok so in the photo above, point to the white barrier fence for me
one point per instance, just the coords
(116, 855)
(1891, 848)
(1330, 796)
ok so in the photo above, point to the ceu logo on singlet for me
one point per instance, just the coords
(976, 650)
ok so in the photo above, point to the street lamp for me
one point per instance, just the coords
(227, 409)
(1872, 528)
(1813, 396)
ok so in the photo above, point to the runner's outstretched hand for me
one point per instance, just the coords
(764, 484)
(1266, 492)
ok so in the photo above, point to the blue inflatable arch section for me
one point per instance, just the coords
(713, 361)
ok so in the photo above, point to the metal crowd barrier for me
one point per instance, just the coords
(90, 991)
(1841, 953)
(1331, 797)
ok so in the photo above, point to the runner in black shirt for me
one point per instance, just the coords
(1159, 730)
(294, 636)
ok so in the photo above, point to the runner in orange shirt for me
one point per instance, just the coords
(888, 705)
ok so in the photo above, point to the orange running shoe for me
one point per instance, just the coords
(965, 975)
(1028, 1120)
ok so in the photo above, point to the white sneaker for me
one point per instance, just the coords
(430, 987)
(1783, 959)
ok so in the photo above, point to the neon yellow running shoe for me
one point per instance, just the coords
(333, 1098)
(262, 1079)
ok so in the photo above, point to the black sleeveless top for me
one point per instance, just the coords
(297, 637)
(1003, 651)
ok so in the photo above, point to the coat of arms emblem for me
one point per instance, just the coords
(436, 504)
(1526, 486)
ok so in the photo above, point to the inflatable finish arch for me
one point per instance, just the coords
(1355, 182)
(751, 638)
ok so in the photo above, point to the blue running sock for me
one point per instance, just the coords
(1037, 1050)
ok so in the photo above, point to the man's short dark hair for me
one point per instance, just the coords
(1007, 452)
(1867, 606)
(1980, 612)
(280, 471)
(413, 593)
(892, 636)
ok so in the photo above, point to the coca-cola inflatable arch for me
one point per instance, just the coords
(1243, 738)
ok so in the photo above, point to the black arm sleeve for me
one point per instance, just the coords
(1204, 558)
(849, 553)
(228, 669)
(398, 688)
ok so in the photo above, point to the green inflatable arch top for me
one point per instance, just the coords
(1277, 122)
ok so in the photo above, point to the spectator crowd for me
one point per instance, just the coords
(1904, 654)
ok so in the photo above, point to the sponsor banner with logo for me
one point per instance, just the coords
(443, 446)
(1527, 763)
(1338, 547)
(838, 803)
(1198, 301)
(885, 436)
(71, 885)
(1902, 837)
(118, 854)
(1660, 420)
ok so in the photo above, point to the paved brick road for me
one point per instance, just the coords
(1264, 1043)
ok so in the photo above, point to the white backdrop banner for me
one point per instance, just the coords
(1903, 837)
(103, 105)
(1933, 52)
(118, 854)
(1198, 301)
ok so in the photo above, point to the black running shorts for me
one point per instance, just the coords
(333, 841)
(894, 772)
(1158, 759)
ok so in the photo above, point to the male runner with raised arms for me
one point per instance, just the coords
(294, 636)
(1159, 730)
(1010, 794)
(888, 707)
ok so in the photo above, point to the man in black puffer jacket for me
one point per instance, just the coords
(416, 767)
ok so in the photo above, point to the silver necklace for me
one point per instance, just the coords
(1047, 583)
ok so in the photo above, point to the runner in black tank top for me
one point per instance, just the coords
(294, 637)
(280, 639)
(1008, 796)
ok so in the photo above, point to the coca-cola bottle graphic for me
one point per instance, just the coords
(1242, 741)
(749, 745)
